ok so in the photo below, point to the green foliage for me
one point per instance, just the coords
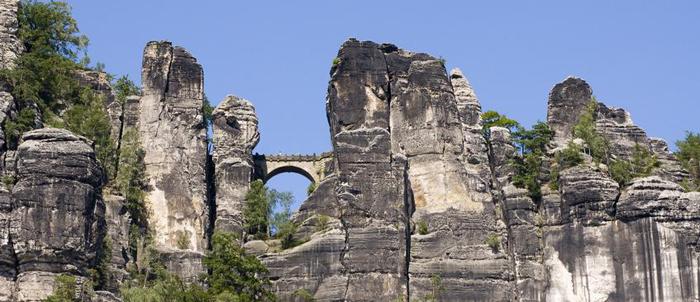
(233, 272)
(131, 183)
(304, 295)
(45, 72)
(233, 276)
(595, 144)
(689, 155)
(322, 223)
(9, 181)
(207, 111)
(533, 146)
(87, 117)
(64, 289)
(279, 210)
(256, 210)
(267, 212)
(165, 288)
(493, 241)
(527, 173)
(311, 188)
(124, 87)
(534, 140)
(641, 164)
(568, 157)
(620, 171)
(494, 119)
(422, 227)
(49, 28)
(14, 128)
(336, 61)
(102, 273)
(286, 232)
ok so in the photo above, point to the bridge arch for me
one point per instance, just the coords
(313, 167)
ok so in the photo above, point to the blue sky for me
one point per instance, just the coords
(640, 55)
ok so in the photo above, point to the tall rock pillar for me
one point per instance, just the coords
(174, 139)
(235, 128)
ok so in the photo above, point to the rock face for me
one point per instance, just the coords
(402, 130)
(235, 128)
(10, 45)
(416, 201)
(57, 213)
(567, 101)
(10, 49)
(171, 122)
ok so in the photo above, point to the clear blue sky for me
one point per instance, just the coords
(638, 55)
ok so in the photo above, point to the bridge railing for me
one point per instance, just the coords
(292, 157)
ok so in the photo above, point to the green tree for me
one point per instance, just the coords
(256, 210)
(596, 145)
(64, 289)
(207, 112)
(689, 155)
(570, 156)
(14, 128)
(232, 272)
(102, 274)
(45, 72)
(87, 117)
(279, 209)
(492, 119)
(641, 164)
(533, 146)
(534, 140)
(131, 182)
(124, 87)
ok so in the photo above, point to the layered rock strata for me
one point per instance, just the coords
(56, 218)
(171, 122)
(235, 129)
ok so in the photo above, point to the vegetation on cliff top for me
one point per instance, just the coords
(689, 155)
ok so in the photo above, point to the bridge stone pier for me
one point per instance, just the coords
(313, 167)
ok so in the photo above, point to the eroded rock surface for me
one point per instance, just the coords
(174, 135)
(57, 210)
(235, 128)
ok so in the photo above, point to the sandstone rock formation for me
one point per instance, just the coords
(395, 113)
(171, 122)
(415, 202)
(235, 129)
(56, 212)
(10, 49)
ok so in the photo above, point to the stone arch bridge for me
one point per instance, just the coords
(313, 167)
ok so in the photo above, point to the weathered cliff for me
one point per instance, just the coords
(172, 128)
(415, 202)
(55, 214)
(425, 205)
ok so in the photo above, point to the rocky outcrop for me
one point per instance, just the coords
(606, 243)
(10, 49)
(415, 202)
(646, 254)
(57, 213)
(235, 129)
(567, 101)
(171, 122)
(10, 45)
